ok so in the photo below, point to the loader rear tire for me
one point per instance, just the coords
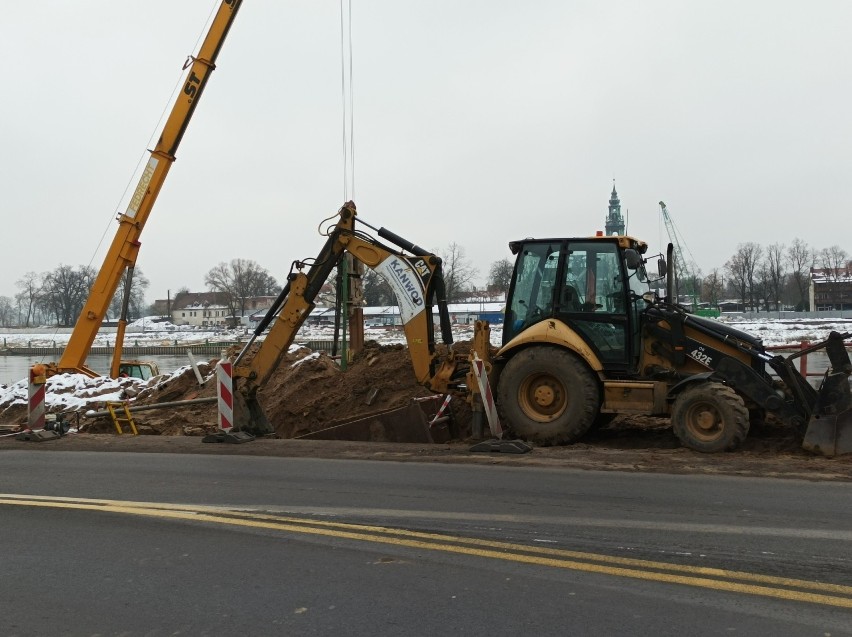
(547, 396)
(710, 417)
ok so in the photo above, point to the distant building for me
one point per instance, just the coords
(831, 288)
(211, 309)
(200, 309)
(614, 218)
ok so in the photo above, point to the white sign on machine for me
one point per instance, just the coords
(407, 285)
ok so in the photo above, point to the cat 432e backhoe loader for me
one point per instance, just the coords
(585, 338)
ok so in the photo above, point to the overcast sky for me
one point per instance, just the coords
(476, 122)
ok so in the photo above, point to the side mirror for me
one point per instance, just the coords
(632, 258)
(661, 267)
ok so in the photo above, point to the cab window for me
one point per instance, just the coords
(593, 279)
(535, 282)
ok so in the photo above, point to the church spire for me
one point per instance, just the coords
(614, 219)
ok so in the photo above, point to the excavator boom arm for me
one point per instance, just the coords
(417, 282)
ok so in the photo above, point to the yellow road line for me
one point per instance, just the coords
(540, 556)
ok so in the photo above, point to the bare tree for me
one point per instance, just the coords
(376, 289)
(737, 277)
(7, 312)
(775, 274)
(29, 286)
(64, 292)
(800, 259)
(834, 261)
(743, 268)
(500, 275)
(712, 287)
(458, 272)
(239, 280)
(762, 284)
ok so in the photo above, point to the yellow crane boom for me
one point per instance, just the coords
(124, 249)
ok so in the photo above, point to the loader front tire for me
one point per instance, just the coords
(710, 417)
(547, 396)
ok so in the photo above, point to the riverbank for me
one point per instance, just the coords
(130, 351)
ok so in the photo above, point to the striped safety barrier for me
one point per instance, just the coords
(35, 409)
(225, 394)
(487, 397)
(441, 410)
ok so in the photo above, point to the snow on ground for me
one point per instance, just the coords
(790, 331)
(72, 392)
(146, 331)
(76, 392)
(153, 334)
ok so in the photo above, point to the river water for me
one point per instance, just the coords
(15, 368)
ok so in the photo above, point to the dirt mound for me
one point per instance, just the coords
(308, 392)
(313, 393)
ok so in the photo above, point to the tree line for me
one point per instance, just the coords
(760, 277)
(56, 297)
(769, 277)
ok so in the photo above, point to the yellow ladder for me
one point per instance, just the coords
(117, 418)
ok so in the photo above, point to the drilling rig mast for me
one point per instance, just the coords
(685, 270)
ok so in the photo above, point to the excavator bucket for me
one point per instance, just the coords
(249, 416)
(830, 430)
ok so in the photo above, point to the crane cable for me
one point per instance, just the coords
(347, 98)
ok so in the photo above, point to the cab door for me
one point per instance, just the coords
(535, 286)
(592, 300)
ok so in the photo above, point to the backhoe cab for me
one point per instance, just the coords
(143, 370)
(586, 338)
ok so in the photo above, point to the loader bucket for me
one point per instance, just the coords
(830, 435)
(830, 430)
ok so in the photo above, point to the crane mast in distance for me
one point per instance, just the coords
(684, 268)
(124, 249)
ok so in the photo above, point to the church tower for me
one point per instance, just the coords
(614, 220)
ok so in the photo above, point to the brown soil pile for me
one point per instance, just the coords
(308, 392)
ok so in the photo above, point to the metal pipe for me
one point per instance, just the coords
(173, 403)
(194, 367)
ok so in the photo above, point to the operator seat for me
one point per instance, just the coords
(570, 299)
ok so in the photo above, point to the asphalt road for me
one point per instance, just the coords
(155, 544)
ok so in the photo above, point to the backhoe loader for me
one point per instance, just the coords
(585, 339)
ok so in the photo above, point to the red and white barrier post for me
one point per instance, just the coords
(497, 444)
(35, 407)
(225, 394)
(487, 397)
(35, 429)
(225, 399)
(441, 409)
